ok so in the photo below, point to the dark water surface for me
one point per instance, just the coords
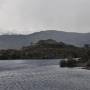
(41, 75)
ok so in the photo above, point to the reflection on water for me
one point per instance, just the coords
(31, 62)
(20, 64)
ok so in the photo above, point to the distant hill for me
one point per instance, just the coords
(18, 41)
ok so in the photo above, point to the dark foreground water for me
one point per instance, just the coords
(41, 75)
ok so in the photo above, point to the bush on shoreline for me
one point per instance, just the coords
(68, 63)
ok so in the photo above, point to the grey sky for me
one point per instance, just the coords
(27, 16)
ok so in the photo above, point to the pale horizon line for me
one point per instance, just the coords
(13, 33)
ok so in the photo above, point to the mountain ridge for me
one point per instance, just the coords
(18, 41)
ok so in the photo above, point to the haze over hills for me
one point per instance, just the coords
(18, 41)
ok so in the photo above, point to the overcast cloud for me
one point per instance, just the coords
(27, 16)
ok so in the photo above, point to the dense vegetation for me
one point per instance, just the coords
(69, 63)
(48, 49)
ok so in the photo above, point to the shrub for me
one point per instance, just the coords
(68, 63)
(88, 63)
(71, 63)
(62, 63)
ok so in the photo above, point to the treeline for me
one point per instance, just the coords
(47, 49)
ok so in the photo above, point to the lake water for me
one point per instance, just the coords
(41, 75)
(17, 64)
(33, 61)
